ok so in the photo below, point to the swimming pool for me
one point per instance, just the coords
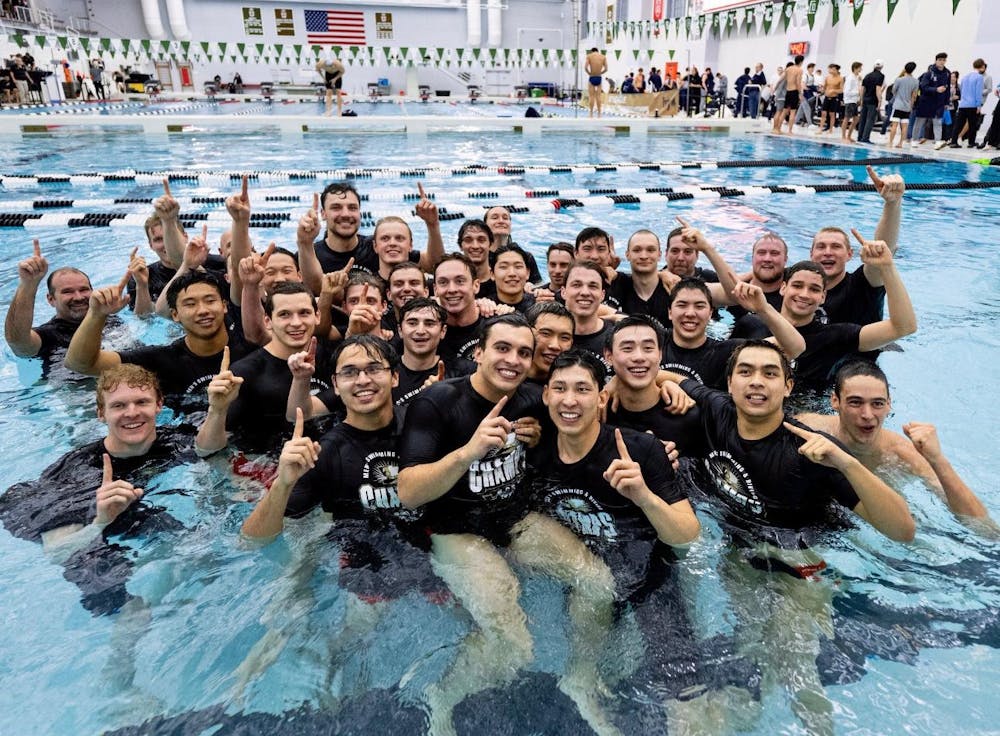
(916, 628)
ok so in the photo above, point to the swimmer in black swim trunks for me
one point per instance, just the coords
(595, 66)
(333, 77)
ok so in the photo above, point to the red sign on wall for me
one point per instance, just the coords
(797, 48)
(657, 9)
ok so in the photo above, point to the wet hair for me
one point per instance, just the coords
(131, 375)
(514, 319)
(589, 233)
(461, 258)
(503, 207)
(552, 307)
(338, 187)
(810, 266)
(590, 265)
(786, 366)
(151, 222)
(64, 269)
(509, 249)
(474, 225)
(389, 219)
(691, 282)
(771, 235)
(287, 288)
(560, 246)
(189, 279)
(582, 358)
(403, 266)
(839, 231)
(375, 348)
(286, 252)
(423, 302)
(857, 368)
(643, 231)
(360, 278)
(636, 320)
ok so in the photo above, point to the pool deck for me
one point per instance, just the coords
(615, 122)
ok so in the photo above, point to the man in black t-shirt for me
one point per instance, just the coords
(93, 493)
(871, 101)
(641, 291)
(827, 345)
(510, 275)
(584, 294)
(553, 326)
(456, 287)
(69, 293)
(858, 296)
(498, 220)
(682, 258)
(185, 367)
(462, 456)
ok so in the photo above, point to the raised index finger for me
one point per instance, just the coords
(622, 449)
(799, 431)
(312, 349)
(37, 247)
(316, 201)
(225, 360)
(420, 188)
(349, 266)
(107, 476)
(243, 191)
(123, 284)
(857, 235)
(300, 423)
(682, 221)
(131, 256)
(268, 253)
(876, 179)
(495, 411)
(166, 186)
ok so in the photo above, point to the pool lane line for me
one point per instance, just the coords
(457, 211)
(155, 177)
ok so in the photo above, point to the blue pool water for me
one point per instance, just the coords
(916, 631)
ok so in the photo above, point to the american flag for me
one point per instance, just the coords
(335, 27)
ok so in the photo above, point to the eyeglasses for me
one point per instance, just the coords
(351, 372)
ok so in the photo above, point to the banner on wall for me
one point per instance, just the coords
(253, 23)
(284, 22)
(345, 27)
(610, 18)
(835, 7)
(859, 8)
(383, 26)
(811, 6)
(786, 13)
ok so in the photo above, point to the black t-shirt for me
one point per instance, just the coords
(870, 84)
(595, 342)
(56, 335)
(460, 342)
(487, 290)
(490, 496)
(522, 307)
(411, 382)
(827, 346)
(854, 300)
(184, 376)
(682, 429)
(354, 477)
(622, 289)
(257, 416)
(765, 482)
(65, 494)
(160, 275)
(705, 364)
(364, 255)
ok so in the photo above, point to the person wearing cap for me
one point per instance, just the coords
(933, 99)
(871, 100)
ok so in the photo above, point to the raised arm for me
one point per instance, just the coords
(785, 336)
(428, 212)
(878, 504)
(140, 274)
(936, 470)
(303, 366)
(84, 354)
(902, 319)
(298, 456)
(305, 239)
(891, 188)
(168, 209)
(238, 206)
(421, 484)
(222, 392)
(251, 271)
(23, 340)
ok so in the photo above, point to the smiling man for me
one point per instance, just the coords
(553, 325)
(456, 287)
(861, 404)
(510, 274)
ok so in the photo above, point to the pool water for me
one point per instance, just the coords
(915, 628)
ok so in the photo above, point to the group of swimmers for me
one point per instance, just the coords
(463, 414)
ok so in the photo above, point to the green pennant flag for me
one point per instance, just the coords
(39, 42)
(64, 41)
(164, 47)
(835, 6)
(185, 48)
(106, 44)
(353, 51)
(85, 44)
(573, 53)
(732, 23)
(811, 6)
(493, 55)
(859, 8)
(222, 48)
(635, 54)
(671, 53)
(651, 55)
(18, 39)
(422, 50)
(702, 20)
(750, 19)
(677, 26)
(618, 54)
(145, 43)
(768, 17)
(476, 52)
(954, 6)
(440, 53)
(405, 51)
(786, 13)
(461, 53)
(206, 44)
(687, 25)
(715, 23)
(278, 48)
